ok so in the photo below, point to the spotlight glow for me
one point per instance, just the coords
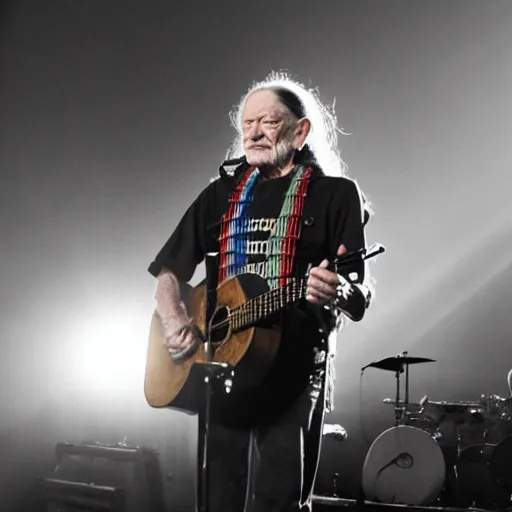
(109, 351)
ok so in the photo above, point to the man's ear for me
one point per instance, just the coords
(301, 132)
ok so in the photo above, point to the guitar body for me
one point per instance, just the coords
(251, 351)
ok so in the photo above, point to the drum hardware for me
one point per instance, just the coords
(412, 407)
(453, 416)
(473, 422)
(461, 411)
(397, 364)
(482, 468)
(412, 415)
(405, 464)
(464, 466)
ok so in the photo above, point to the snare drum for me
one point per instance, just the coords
(404, 465)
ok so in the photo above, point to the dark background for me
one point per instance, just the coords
(114, 115)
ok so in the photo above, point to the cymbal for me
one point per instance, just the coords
(396, 363)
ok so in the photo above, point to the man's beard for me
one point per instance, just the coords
(283, 153)
(276, 158)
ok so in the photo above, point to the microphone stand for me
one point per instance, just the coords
(209, 371)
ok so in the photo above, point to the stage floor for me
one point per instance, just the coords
(329, 504)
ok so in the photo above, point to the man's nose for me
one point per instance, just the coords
(255, 132)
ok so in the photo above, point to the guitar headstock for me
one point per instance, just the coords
(349, 259)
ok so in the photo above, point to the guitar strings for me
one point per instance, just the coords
(277, 293)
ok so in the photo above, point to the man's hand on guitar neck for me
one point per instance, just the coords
(324, 286)
(178, 327)
(328, 288)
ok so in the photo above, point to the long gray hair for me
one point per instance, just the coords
(322, 141)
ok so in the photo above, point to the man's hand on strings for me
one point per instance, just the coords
(326, 287)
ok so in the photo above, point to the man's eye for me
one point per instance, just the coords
(271, 121)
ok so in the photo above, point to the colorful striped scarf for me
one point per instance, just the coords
(234, 239)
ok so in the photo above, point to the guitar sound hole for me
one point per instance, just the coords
(219, 326)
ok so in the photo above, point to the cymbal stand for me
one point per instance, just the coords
(406, 401)
(398, 408)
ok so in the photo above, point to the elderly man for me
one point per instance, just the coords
(287, 209)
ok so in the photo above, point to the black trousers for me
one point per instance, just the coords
(270, 468)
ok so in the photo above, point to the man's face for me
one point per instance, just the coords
(267, 130)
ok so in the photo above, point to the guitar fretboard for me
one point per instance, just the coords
(267, 304)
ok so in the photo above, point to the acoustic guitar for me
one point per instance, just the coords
(237, 331)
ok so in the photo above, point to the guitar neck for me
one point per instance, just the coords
(268, 303)
(273, 301)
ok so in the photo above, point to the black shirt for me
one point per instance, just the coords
(333, 214)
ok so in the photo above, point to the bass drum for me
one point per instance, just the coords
(476, 483)
(501, 465)
(404, 465)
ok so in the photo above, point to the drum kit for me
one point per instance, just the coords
(456, 454)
